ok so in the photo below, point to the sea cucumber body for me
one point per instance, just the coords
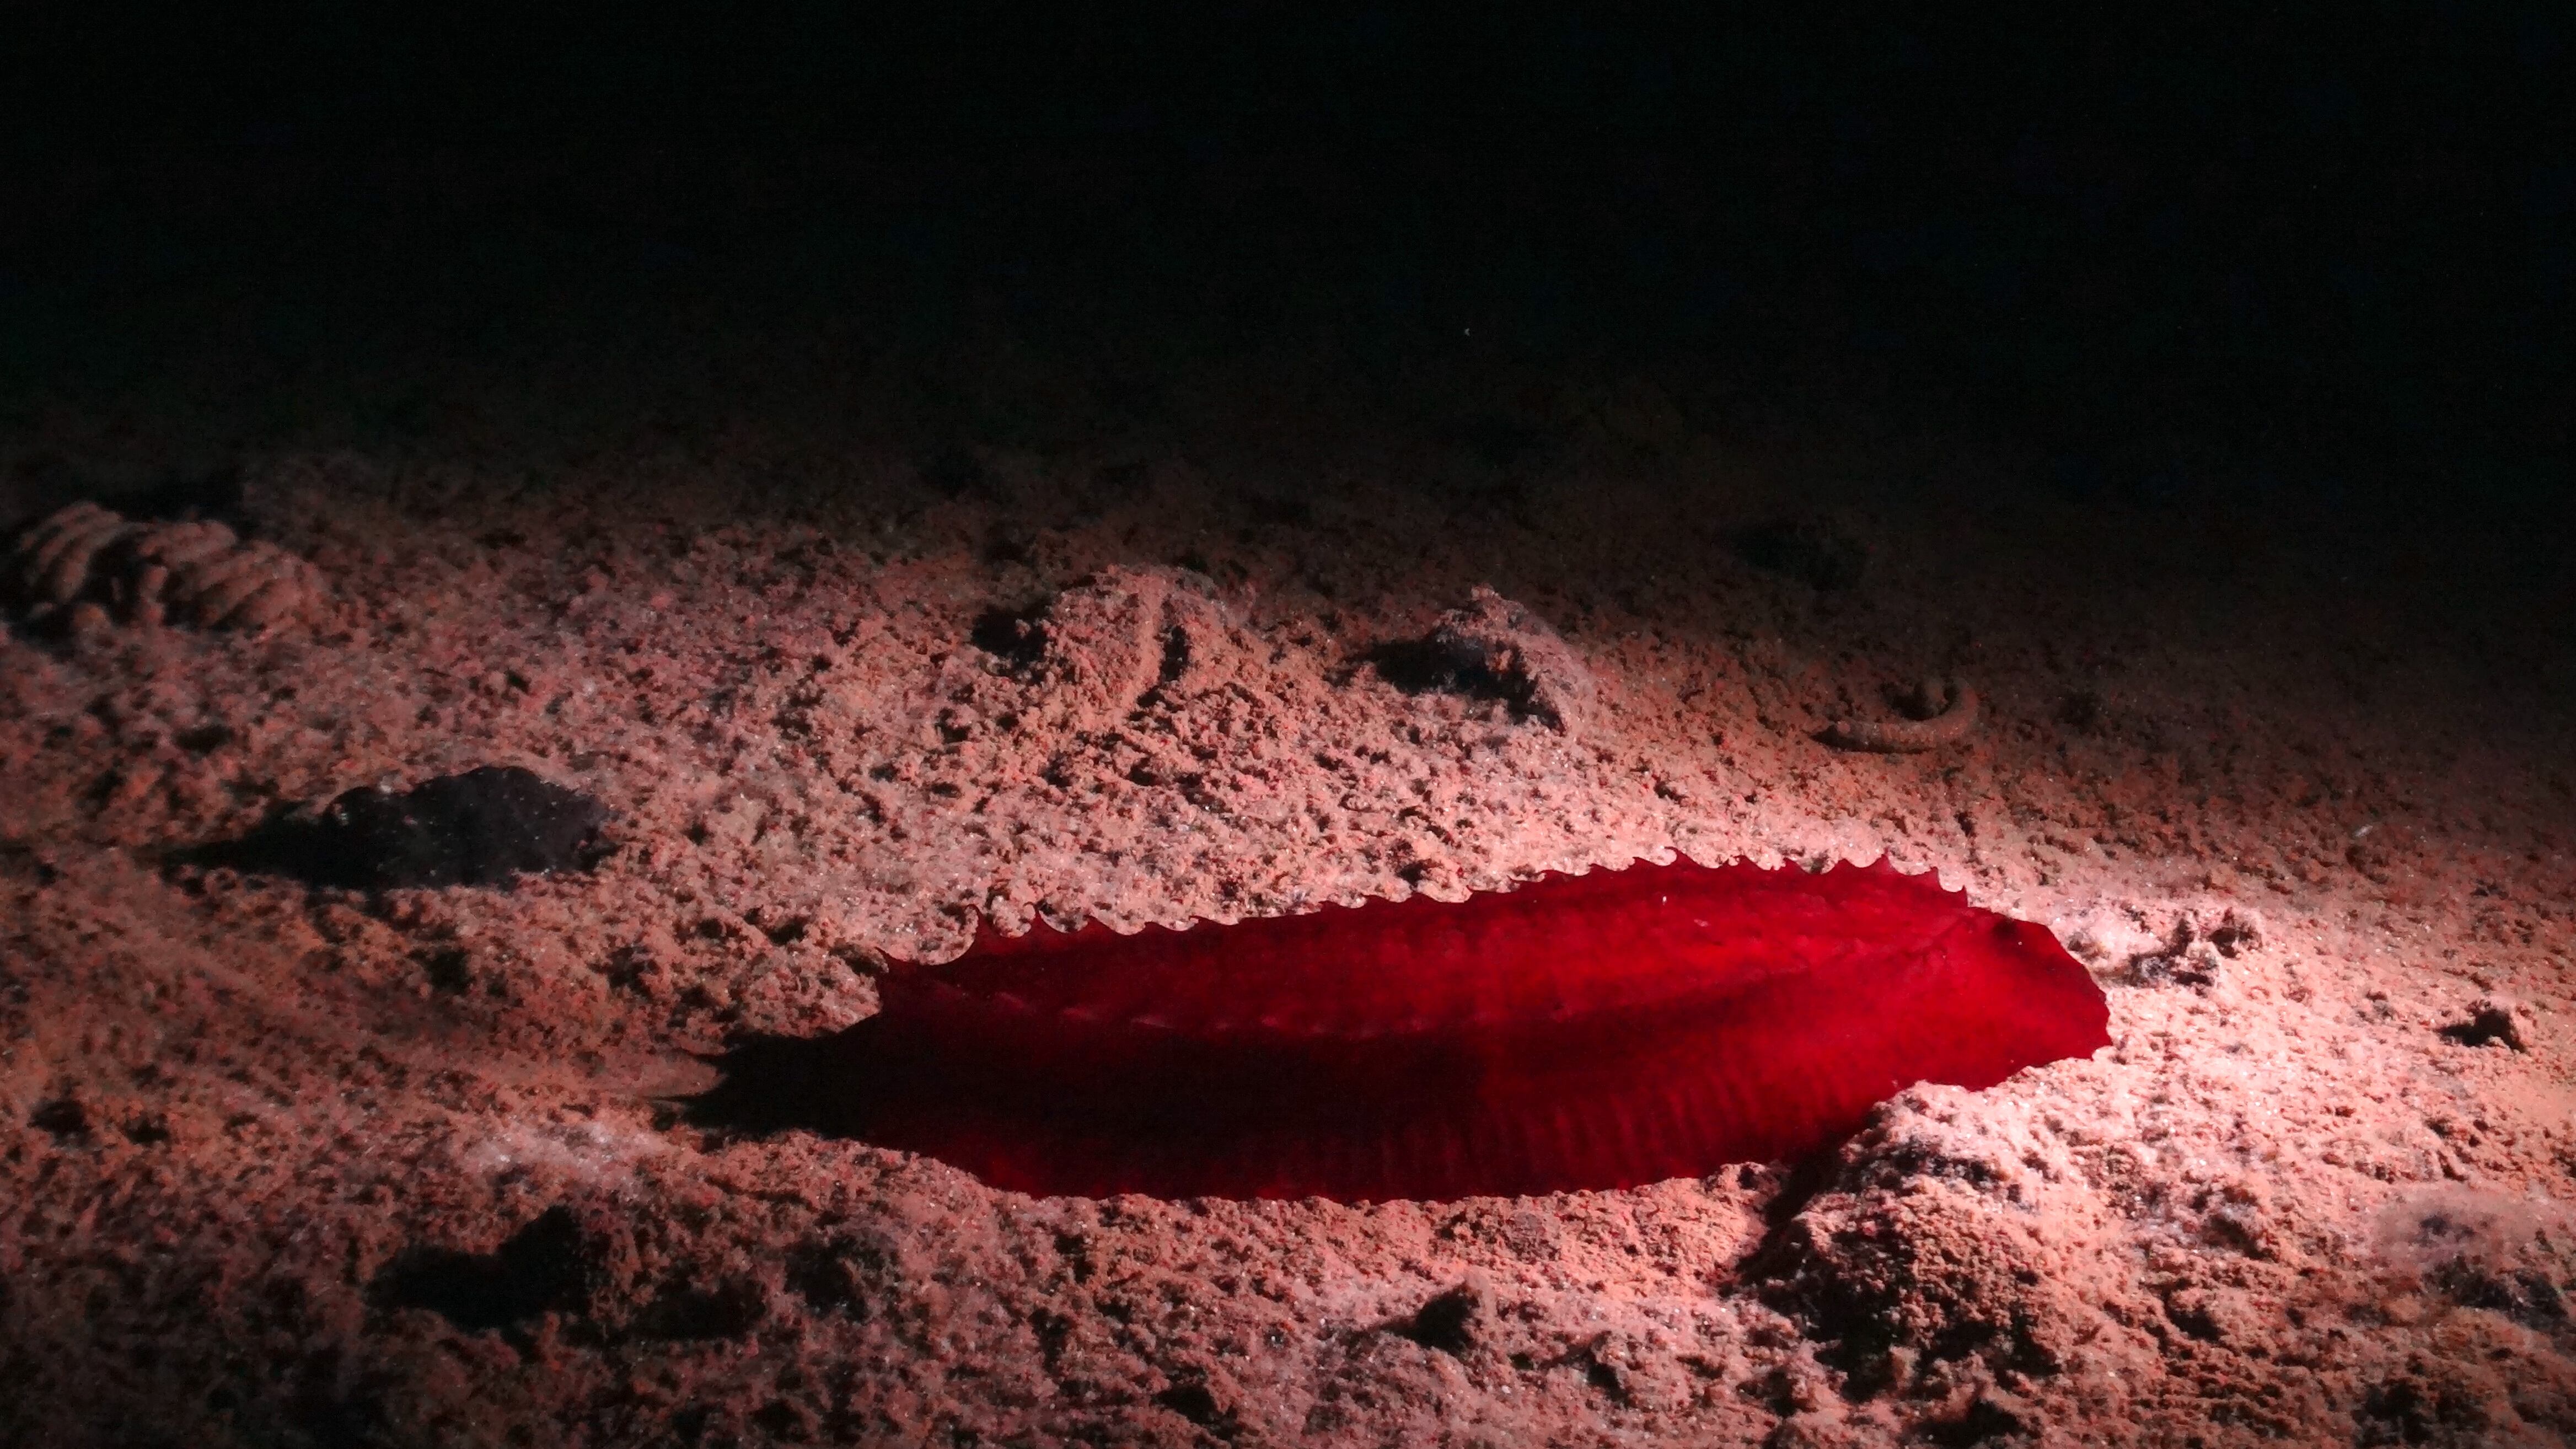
(1590, 1031)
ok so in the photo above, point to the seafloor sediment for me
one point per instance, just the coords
(284, 1164)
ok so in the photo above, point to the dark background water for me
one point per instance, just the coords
(2157, 251)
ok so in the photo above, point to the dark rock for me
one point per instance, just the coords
(2493, 1018)
(64, 1117)
(480, 828)
(1197, 1403)
(1495, 649)
(729, 1309)
(544, 1267)
(1448, 1322)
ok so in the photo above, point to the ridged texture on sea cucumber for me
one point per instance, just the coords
(1591, 1031)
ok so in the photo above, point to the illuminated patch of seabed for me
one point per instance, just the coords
(597, 1153)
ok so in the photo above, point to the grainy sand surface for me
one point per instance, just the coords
(286, 1165)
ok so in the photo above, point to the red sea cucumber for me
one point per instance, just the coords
(1580, 1032)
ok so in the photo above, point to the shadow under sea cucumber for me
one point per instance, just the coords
(1581, 1032)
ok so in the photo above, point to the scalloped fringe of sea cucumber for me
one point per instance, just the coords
(1954, 713)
